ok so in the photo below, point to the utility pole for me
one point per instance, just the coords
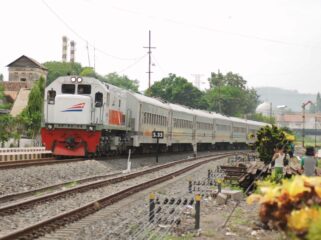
(303, 120)
(150, 58)
(88, 54)
(219, 92)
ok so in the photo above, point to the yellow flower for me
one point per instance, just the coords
(295, 187)
(299, 220)
(318, 191)
(253, 198)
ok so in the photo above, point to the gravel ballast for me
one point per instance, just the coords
(123, 219)
(29, 178)
(43, 211)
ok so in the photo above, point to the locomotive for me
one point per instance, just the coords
(84, 116)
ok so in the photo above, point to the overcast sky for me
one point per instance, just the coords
(270, 43)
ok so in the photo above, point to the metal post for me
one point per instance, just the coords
(190, 186)
(315, 131)
(197, 211)
(151, 207)
(303, 124)
(219, 187)
(157, 148)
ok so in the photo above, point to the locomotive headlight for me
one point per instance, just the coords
(91, 128)
(50, 126)
(79, 79)
(73, 79)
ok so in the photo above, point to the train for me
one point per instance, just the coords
(86, 117)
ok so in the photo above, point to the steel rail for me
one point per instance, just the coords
(48, 225)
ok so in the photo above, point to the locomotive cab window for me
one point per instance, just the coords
(98, 99)
(68, 88)
(51, 95)
(84, 89)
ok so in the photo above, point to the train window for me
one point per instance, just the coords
(84, 89)
(98, 99)
(145, 117)
(68, 88)
(51, 95)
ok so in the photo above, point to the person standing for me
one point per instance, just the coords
(291, 152)
(309, 162)
(278, 159)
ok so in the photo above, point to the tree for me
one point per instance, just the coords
(88, 72)
(6, 129)
(58, 69)
(312, 108)
(260, 118)
(30, 117)
(177, 89)
(318, 103)
(120, 81)
(1, 77)
(267, 139)
(229, 95)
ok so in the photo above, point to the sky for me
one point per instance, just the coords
(274, 43)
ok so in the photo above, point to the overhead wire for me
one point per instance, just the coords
(82, 37)
(197, 26)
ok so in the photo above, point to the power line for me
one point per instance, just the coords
(133, 64)
(211, 29)
(81, 37)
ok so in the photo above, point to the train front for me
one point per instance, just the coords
(68, 117)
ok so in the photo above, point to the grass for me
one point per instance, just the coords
(38, 193)
(187, 237)
(71, 184)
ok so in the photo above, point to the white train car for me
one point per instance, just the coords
(147, 115)
(204, 129)
(223, 131)
(181, 127)
(239, 129)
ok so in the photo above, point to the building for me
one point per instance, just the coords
(26, 69)
(265, 109)
(23, 73)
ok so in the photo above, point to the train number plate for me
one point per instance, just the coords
(158, 134)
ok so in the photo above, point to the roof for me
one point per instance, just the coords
(23, 60)
(21, 102)
(296, 117)
(180, 108)
(149, 100)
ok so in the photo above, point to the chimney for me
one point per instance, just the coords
(72, 51)
(64, 48)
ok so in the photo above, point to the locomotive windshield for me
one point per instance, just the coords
(84, 89)
(68, 88)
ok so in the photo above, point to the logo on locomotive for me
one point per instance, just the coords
(75, 108)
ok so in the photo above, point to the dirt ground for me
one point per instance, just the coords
(244, 223)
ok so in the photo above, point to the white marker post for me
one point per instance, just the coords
(129, 163)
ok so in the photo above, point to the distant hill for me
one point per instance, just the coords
(279, 96)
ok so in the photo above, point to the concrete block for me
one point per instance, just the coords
(236, 195)
(221, 199)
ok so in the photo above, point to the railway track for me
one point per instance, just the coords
(38, 162)
(42, 227)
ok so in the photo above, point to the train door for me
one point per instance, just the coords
(51, 96)
(98, 108)
(169, 128)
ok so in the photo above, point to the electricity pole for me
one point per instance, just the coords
(150, 58)
(303, 120)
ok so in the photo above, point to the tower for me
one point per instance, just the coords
(64, 48)
(72, 51)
